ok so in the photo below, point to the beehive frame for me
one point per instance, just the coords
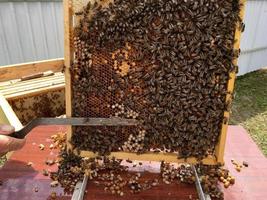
(218, 158)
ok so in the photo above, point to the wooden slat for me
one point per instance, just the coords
(17, 71)
(16, 174)
(18, 89)
(35, 92)
(20, 85)
(31, 88)
(230, 88)
(33, 85)
(68, 57)
(3, 118)
(7, 114)
(168, 157)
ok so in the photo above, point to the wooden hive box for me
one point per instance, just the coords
(34, 89)
(106, 56)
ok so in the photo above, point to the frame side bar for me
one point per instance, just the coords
(68, 57)
(230, 87)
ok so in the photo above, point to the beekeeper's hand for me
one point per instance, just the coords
(8, 143)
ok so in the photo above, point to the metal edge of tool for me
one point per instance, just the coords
(79, 190)
(201, 194)
(75, 121)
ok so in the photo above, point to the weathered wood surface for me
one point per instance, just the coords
(17, 71)
(20, 179)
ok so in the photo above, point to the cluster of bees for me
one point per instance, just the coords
(118, 178)
(113, 176)
(49, 104)
(165, 63)
(108, 174)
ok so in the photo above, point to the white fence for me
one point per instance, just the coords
(254, 39)
(32, 30)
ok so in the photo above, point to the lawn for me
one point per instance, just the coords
(250, 106)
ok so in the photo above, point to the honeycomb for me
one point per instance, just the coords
(164, 63)
(49, 104)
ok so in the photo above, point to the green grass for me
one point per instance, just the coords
(250, 106)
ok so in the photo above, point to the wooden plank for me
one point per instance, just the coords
(18, 181)
(230, 88)
(16, 174)
(16, 82)
(30, 88)
(10, 117)
(168, 157)
(173, 191)
(31, 85)
(25, 85)
(35, 92)
(68, 57)
(3, 117)
(17, 71)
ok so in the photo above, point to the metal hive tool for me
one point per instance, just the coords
(77, 121)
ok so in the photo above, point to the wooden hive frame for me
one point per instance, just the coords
(218, 158)
(12, 87)
(24, 85)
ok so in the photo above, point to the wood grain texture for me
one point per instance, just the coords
(7, 114)
(172, 191)
(17, 71)
(19, 179)
(18, 89)
(68, 57)
(168, 157)
(37, 91)
(230, 88)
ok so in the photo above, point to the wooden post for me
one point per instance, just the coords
(68, 57)
(7, 115)
(230, 88)
(17, 71)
